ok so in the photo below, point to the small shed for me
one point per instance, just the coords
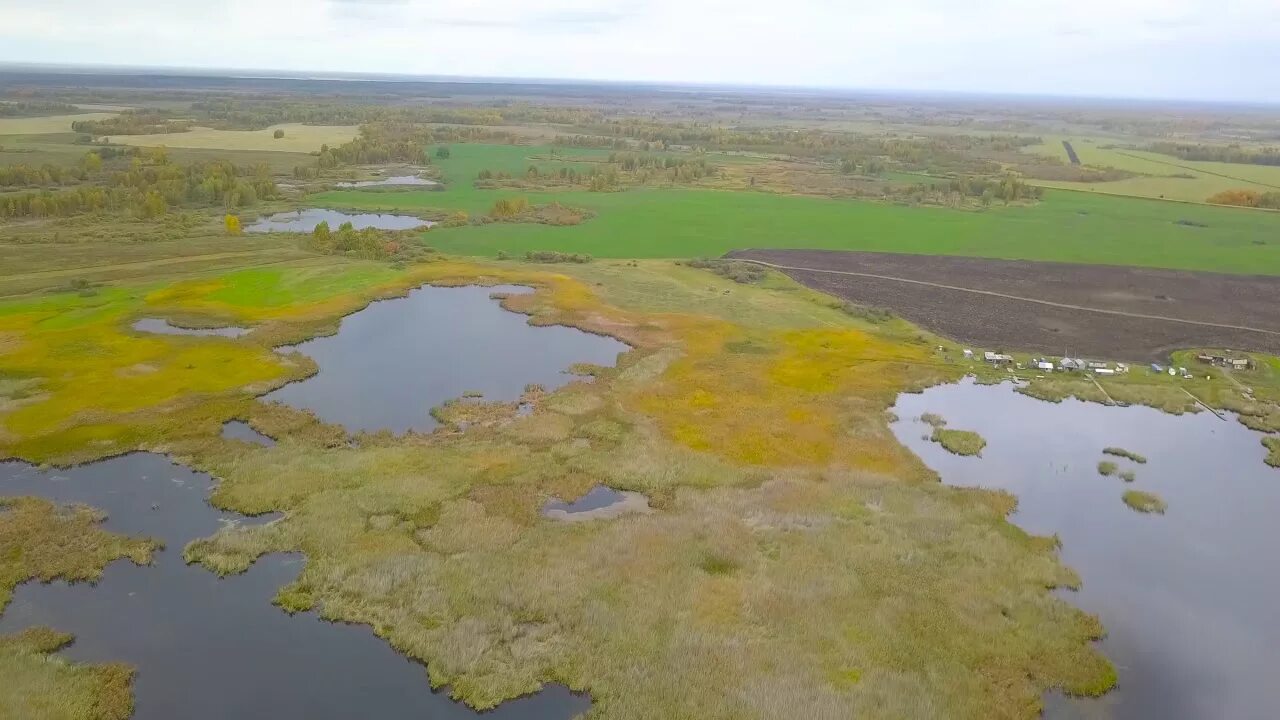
(1045, 365)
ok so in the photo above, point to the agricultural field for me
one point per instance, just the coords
(1119, 312)
(298, 138)
(1159, 176)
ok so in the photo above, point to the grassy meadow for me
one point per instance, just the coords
(685, 222)
(298, 138)
(1160, 176)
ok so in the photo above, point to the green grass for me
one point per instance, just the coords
(959, 442)
(1145, 502)
(1122, 453)
(40, 685)
(1066, 227)
(1273, 450)
(1155, 170)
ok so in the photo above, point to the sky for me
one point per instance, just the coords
(1186, 49)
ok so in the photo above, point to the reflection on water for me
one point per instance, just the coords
(211, 649)
(406, 180)
(164, 327)
(307, 220)
(390, 363)
(1190, 598)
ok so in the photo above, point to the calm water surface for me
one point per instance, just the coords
(210, 649)
(390, 363)
(238, 430)
(164, 327)
(307, 220)
(596, 498)
(396, 180)
(1190, 599)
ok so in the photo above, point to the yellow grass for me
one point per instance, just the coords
(297, 138)
(47, 124)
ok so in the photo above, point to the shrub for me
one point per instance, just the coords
(277, 134)
(1145, 502)
(551, 256)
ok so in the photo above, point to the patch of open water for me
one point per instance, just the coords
(161, 326)
(390, 363)
(240, 430)
(307, 220)
(1190, 599)
(208, 648)
(398, 180)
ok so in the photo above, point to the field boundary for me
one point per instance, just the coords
(1006, 296)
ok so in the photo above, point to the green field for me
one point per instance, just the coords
(1156, 171)
(1065, 227)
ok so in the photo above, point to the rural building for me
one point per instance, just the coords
(1241, 364)
(997, 358)
(968, 354)
(1105, 371)
(1045, 365)
(1094, 365)
(1069, 364)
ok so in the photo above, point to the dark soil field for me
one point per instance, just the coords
(1092, 310)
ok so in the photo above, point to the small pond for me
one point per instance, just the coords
(239, 430)
(599, 503)
(208, 648)
(398, 180)
(161, 326)
(307, 220)
(390, 363)
(1190, 599)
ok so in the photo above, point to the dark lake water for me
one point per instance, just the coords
(211, 649)
(307, 220)
(390, 363)
(397, 180)
(163, 327)
(1191, 598)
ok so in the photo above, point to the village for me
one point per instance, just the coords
(1103, 368)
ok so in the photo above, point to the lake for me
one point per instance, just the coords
(1191, 607)
(390, 363)
(208, 648)
(307, 220)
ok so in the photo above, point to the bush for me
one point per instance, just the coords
(550, 256)
(744, 273)
(277, 134)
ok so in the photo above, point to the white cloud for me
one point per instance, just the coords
(1170, 48)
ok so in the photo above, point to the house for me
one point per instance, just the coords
(1156, 368)
(1122, 368)
(1241, 364)
(1094, 365)
(968, 354)
(1069, 364)
(997, 358)
(1044, 365)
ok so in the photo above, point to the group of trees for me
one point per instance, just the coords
(43, 176)
(1247, 198)
(132, 122)
(35, 108)
(149, 191)
(962, 191)
(618, 171)
(1219, 153)
(368, 244)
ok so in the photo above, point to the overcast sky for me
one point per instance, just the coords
(1203, 49)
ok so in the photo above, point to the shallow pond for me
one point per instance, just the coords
(390, 363)
(239, 430)
(397, 180)
(307, 220)
(211, 649)
(164, 327)
(1190, 599)
(599, 503)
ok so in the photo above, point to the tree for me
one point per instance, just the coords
(92, 163)
(232, 224)
(278, 134)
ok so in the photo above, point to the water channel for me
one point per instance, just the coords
(208, 648)
(1190, 598)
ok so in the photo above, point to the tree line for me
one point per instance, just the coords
(132, 122)
(149, 191)
(1219, 153)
